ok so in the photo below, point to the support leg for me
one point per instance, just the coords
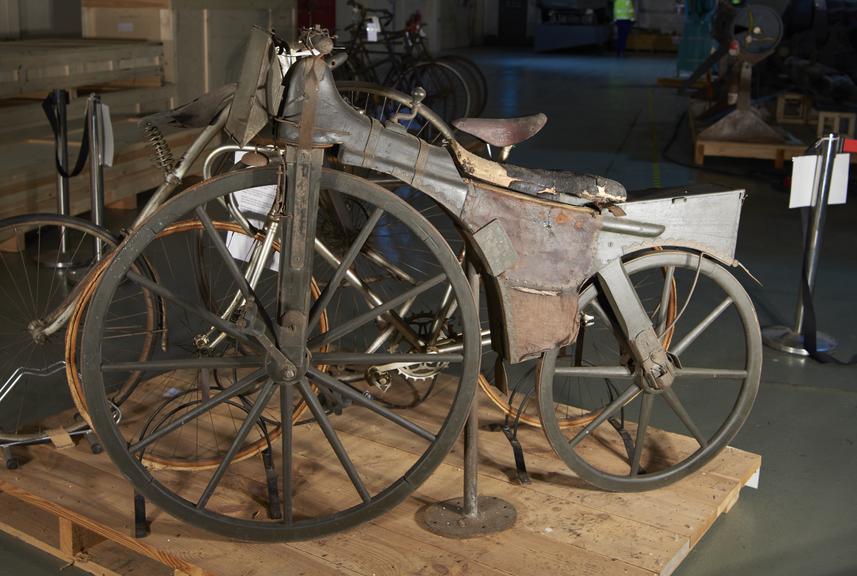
(472, 515)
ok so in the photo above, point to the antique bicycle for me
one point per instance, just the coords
(647, 281)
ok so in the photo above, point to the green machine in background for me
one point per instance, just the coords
(696, 40)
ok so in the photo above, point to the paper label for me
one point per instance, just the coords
(254, 203)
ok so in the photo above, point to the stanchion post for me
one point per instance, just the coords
(63, 204)
(790, 338)
(96, 155)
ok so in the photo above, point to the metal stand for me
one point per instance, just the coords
(61, 258)
(472, 515)
(96, 155)
(790, 338)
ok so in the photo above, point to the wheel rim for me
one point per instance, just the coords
(332, 511)
(606, 458)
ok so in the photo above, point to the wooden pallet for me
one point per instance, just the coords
(76, 506)
(778, 152)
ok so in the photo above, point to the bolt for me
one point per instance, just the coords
(290, 374)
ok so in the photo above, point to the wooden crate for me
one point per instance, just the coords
(38, 66)
(204, 42)
(28, 174)
(563, 526)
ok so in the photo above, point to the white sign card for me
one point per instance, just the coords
(254, 203)
(806, 176)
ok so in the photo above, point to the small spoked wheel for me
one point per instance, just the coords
(645, 436)
(44, 258)
(375, 427)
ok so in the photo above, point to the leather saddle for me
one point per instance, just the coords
(557, 185)
(198, 113)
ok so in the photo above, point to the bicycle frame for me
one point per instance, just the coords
(533, 253)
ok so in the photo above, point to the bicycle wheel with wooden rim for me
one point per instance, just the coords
(639, 439)
(125, 332)
(354, 457)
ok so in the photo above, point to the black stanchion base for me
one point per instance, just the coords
(448, 519)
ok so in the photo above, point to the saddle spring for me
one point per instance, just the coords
(162, 155)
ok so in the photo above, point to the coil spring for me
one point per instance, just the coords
(161, 153)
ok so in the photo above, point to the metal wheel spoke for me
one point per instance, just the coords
(191, 307)
(224, 253)
(190, 364)
(344, 265)
(286, 409)
(710, 374)
(691, 336)
(370, 359)
(249, 422)
(677, 407)
(663, 309)
(366, 317)
(239, 387)
(611, 409)
(333, 440)
(645, 414)
(603, 372)
(333, 384)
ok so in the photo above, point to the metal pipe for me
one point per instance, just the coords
(63, 207)
(631, 227)
(96, 147)
(831, 148)
(471, 428)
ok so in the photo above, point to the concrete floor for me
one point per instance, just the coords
(607, 116)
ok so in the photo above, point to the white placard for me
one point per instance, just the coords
(373, 28)
(806, 173)
(106, 136)
(254, 203)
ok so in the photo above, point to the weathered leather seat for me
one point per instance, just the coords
(557, 185)
(198, 113)
(502, 132)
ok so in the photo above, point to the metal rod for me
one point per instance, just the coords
(471, 428)
(96, 168)
(63, 207)
(816, 224)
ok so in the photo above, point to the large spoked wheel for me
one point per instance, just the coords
(644, 438)
(363, 445)
(129, 325)
(44, 259)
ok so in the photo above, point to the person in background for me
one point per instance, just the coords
(624, 14)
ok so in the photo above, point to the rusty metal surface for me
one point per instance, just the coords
(556, 185)
(534, 294)
(537, 295)
(502, 131)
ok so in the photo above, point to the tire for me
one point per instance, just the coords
(447, 90)
(616, 454)
(476, 81)
(352, 432)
